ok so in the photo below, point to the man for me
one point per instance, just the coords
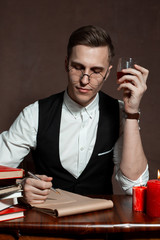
(77, 134)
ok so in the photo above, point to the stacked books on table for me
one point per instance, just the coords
(10, 191)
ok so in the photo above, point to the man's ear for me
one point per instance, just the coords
(66, 64)
(108, 71)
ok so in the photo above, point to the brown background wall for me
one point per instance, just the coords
(33, 39)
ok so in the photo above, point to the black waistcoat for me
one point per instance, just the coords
(97, 176)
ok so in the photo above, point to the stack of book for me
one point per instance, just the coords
(10, 191)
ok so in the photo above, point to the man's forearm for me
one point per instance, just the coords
(133, 162)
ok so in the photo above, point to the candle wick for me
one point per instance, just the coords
(140, 181)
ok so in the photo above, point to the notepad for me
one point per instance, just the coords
(67, 203)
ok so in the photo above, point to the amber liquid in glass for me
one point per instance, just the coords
(121, 74)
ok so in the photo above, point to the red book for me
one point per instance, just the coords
(9, 172)
(11, 213)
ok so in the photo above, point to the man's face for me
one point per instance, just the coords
(88, 60)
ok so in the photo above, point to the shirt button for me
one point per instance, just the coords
(82, 148)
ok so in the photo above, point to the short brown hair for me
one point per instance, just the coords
(91, 36)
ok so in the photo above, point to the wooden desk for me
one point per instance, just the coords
(117, 223)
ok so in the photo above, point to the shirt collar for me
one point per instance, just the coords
(75, 109)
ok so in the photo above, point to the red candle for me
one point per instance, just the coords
(153, 198)
(139, 198)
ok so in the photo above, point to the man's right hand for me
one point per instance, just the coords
(36, 191)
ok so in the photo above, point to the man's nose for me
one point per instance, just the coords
(85, 78)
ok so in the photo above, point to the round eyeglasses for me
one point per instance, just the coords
(94, 78)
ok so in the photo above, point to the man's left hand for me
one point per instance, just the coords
(134, 85)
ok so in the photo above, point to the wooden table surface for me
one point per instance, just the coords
(121, 219)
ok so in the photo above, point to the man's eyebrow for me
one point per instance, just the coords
(78, 63)
(97, 67)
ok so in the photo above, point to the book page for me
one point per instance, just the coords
(67, 203)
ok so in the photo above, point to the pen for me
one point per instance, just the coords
(35, 177)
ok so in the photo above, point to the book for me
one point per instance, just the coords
(13, 195)
(9, 172)
(11, 213)
(8, 182)
(8, 191)
(9, 195)
(6, 203)
(67, 203)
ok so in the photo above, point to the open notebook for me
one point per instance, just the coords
(66, 203)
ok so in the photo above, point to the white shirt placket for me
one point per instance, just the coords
(83, 141)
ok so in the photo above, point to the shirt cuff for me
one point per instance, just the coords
(127, 184)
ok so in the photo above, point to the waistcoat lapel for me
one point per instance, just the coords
(108, 126)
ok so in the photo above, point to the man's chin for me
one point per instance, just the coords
(84, 100)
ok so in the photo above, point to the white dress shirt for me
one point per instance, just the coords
(79, 124)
